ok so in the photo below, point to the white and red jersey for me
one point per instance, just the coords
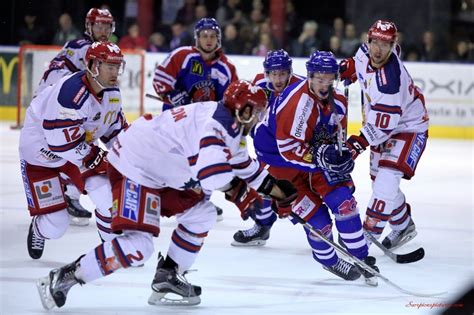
(301, 121)
(392, 103)
(185, 70)
(192, 146)
(71, 59)
(64, 119)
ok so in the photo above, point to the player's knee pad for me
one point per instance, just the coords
(137, 244)
(322, 222)
(52, 225)
(342, 203)
(99, 190)
(387, 183)
(199, 218)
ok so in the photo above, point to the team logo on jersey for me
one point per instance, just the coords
(203, 91)
(131, 200)
(196, 68)
(48, 192)
(152, 209)
(96, 117)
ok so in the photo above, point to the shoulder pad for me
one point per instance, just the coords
(77, 43)
(388, 77)
(73, 92)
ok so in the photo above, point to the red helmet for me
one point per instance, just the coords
(104, 52)
(240, 94)
(99, 16)
(383, 30)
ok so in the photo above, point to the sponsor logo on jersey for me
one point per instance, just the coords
(131, 200)
(48, 155)
(304, 207)
(79, 95)
(302, 113)
(415, 151)
(48, 192)
(26, 183)
(114, 100)
(96, 117)
(347, 207)
(196, 68)
(152, 209)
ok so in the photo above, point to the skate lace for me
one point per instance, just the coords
(37, 242)
(183, 284)
(343, 266)
(252, 231)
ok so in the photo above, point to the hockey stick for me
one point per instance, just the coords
(357, 261)
(340, 131)
(154, 97)
(398, 258)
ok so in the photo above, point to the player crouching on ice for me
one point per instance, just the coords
(165, 165)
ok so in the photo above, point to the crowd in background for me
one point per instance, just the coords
(248, 32)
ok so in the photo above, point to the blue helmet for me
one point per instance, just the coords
(323, 62)
(207, 24)
(277, 60)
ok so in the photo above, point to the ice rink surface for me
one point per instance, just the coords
(280, 278)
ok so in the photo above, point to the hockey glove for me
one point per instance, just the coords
(244, 197)
(347, 71)
(178, 98)
(328, 158)
(96, 160)
(284, 206)
(357, 145)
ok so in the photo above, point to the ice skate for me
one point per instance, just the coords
(344, 269)
(53, 288)
(220, 213)
(398, 238)
(255, 236)
(34, 243)
(370, 279)
(171, 288)
(78, 214)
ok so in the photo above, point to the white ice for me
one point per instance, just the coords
(280, 278)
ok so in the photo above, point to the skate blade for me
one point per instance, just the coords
(372, 281)
(170, 299)
(405, 240)
(78, 221)
(47, 300)
(254, 243)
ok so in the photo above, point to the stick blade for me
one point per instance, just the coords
(411, 257)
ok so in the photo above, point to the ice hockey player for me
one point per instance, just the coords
(395, 126)
(277, 75)
(299, 143)
(60, 135)
(99, 26)
(166, 164)
(195, 73)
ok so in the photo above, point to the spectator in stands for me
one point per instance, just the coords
(157, 43)
(338, 28)
(307, 41)
(31, 32)
(66, 32)
(463, 52)
(429, 51)
(350, 43)
(264, 45)
(200, 12)
(231, 43)
(133, 40)
(229, 13)
(181, 37)
(186, 13)
(335, 46)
